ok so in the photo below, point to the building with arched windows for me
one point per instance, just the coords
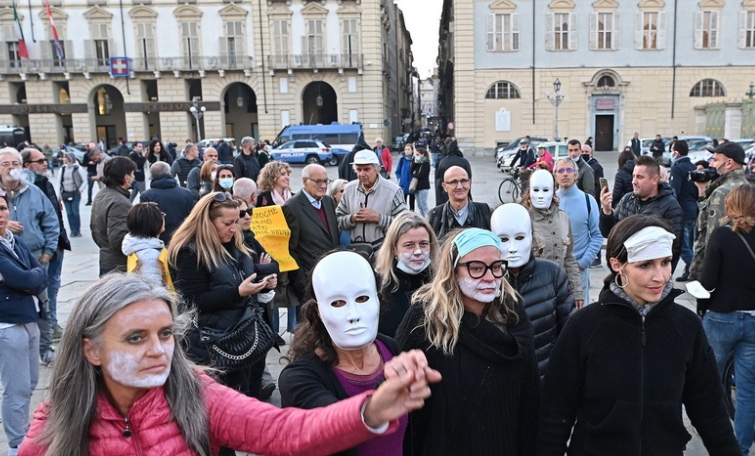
(650, 66)
(255, 67)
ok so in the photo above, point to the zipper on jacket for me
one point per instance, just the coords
(131, 433)
(643, 336)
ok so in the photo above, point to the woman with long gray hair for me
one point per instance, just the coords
(119, 386)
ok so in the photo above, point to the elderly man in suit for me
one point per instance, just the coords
(311, 216)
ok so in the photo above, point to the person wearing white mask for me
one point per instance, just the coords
(474, 330)
(553, 238)
(337, 352)
(404, 264)
(625, 368)
(541, 283)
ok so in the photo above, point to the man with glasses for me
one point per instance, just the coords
(585, 174)
(33, 219)
(370, 202)
(194, 180)
(311, 217)
(459, 211)
(584, 217)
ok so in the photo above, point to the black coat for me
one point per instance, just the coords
(547, 300)
(622, 184)
(664, 205)
(139, 160)
(487, 402)
(442, 220)
(308, 383)
(621, 380)
(686, 191)
(44, 184)
(597, 170)
(659, 146)
(246, 166)
(395, 303)
(176, 202)
(422, 172)
(453, 157)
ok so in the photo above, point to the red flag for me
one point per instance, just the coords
(22, 51)
(54, 30)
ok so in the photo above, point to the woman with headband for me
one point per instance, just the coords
(473, 329)
(622, 369)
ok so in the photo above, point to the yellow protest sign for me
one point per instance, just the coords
(271, 230)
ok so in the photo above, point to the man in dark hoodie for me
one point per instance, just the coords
(649, 196)
(452, 157)
(176, 202)
(345, 169)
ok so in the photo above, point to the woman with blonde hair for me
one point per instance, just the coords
(404, 263)
(729, 319)
(207, 174)
(273, 184)
(121, 384)
(472, 326)
(214, 273)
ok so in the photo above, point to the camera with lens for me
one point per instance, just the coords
(703, 175)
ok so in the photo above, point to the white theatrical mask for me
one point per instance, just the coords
(541, 189)
(511, 223)
(346, 294)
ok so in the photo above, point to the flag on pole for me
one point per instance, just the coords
(22, 51)
(54, 30)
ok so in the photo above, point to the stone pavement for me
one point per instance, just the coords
(80, 268)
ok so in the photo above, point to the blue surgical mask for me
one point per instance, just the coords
(226, 182)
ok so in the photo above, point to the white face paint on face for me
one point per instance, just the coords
(348, 303)
(126, 369)
(511, 223)
(541, 189)
(478, 289)
(413, 263)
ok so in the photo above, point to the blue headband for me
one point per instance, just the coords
(474, 238)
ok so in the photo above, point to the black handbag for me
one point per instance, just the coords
(67, 196)
(241, 345)
(368, 249)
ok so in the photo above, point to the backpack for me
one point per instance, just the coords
(132, 265)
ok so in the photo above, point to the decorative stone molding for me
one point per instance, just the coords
(143, 13)
(503, 6)
(561, 6)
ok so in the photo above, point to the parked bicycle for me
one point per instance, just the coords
(513, 185)
(730, 386)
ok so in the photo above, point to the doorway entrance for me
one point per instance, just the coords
(604, 132)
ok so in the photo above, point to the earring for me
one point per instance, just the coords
(624, 279)
(498, 293)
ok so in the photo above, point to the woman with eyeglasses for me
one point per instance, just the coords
(224, 179)
(215, 274)
(473, 329)
(273, 184)
(623, 368)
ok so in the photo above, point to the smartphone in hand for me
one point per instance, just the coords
(603, 183)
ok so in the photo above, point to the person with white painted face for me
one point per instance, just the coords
(474, 330)
(404, 263)
(122, 385)
(541, 283)
(337, 351)
(553, 239)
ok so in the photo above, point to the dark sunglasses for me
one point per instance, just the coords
(222, 197)
(245, 212)
(38, 161)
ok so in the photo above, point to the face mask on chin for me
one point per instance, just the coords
(406, 265)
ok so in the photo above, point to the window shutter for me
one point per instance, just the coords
(661, 30)
(89, 52)
(715, 30)
(223, 46)
(549, 32)
(639, 30)
(593, 31)
(698, 29)
(490, 28)
(573, 37)
(741, 37)
(515, 31)
(616, 32)
(305, 39)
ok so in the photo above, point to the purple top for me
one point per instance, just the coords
(392, 444)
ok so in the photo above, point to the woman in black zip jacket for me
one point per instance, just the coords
(623, 367)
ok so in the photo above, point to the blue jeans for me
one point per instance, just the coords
(422, 201)
(584, 276)
(734, 332)
(19, 373)
(688, 242)
(291, 311)
(72, 212)
(54, 269)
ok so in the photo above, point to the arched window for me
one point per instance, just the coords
(606, 81)
(502, 90)
(708, 88)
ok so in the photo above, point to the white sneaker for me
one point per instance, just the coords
(13, 451)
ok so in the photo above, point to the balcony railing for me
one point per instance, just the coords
(137, 64)
(315, 61)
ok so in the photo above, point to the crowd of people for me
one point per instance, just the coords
(450, 330)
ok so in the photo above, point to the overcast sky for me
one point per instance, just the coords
(422, 18)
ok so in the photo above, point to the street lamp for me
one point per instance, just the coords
(197, 111)
(751, 93)
(556, 100)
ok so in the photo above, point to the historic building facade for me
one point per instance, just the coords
(254, 67)
(650, 66)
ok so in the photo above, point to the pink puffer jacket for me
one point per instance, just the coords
(236, 421)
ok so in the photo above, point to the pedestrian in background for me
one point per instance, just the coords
(421, 171)
(70, 187)
(404, 174)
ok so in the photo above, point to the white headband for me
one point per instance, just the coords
(648, 244)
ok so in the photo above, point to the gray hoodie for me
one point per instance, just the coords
(147, 251)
